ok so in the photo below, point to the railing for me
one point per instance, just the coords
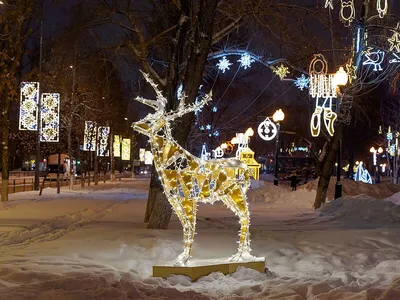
(25, 184)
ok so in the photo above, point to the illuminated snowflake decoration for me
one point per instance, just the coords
(216, 133)
(246, 61)
(224, 64)
(395, 39)
(201, 127)
(208, 127)
(28, 106)
(281, 71)
(103, 136)
(302, 82)
(214, 109)
(50, 118)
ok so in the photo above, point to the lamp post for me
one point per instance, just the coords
(339, 79)
(374, 161)
(278, 117)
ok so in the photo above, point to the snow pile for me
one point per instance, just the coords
(281, 196)
(362, 209)
(394, 198)
(354, 188)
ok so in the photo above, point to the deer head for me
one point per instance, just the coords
(153, 122)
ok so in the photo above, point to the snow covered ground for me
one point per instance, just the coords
(92, 244)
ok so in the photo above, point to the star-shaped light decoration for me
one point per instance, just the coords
(395, 39)
(281, 71)
(351, 71)
(302, 82)
(224, 64)
(208, 127)
(329, 3)
(246, 61)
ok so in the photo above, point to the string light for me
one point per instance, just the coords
(246, 60)
(187, 179)
(396, 59)
(351, 71)
(28, 113)
(224, 64)
(302, 82)
(281, 71)
(347, 19)
(117, 146)
(89, 138)
(126, 150)
(395, 39)
(362, 174)
(329, 3)
(103, 136)
(382, 11)
(374, 58)
(50, 118)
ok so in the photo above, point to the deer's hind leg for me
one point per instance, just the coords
(185, 210)
(236, 199)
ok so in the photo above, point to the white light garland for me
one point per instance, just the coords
(321, 83)
(126, 150)
(187, 179)
(329, 3)
(224, 64)
(28, 112)
(347, 18)
(218, 153)
(394, 60)
(204, 155)
(89, 138)
(50, 118)
(374, 58)
(395, 39)
(117, 146)
(246, 61)
(382, 9)
(267, 130)
(103, 137)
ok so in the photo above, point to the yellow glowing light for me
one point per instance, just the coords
(117, 146)
(224, 146)
(234, 140)
(50, 118)
(188, 180)
(249, 132)
(278, 116)
(28, 113)
(126, 149)
(340, 78)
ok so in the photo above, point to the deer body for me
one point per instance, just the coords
(188, 180)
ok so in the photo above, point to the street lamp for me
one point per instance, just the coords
(278, 117)
(339, 79)
(374, 161)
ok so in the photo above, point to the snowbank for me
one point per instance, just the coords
(281, 196)
(354, 188)
(361, 209)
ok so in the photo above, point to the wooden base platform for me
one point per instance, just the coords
(198, 268)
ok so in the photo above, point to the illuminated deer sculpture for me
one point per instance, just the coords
(187, 179)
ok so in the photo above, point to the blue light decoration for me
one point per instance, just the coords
(204, 155)
(246, 60)
(216, 133)
(179, 92)
(214, 109)
(302, 82)
(362, 174)
(208, 127)
(224, 64)
(201, 127)
(374, 58)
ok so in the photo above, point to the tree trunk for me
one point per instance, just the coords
(5, 151)
(112, 159)
(96, 162)
(69, 141)
(197, 29)
(327, 167)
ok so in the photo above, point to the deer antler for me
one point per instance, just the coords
(161, 100)
(182, 109)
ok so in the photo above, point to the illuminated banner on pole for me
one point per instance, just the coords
(126, 149)
(28, 112)
(89, 139)
(103, 136)
(117, 146)
(50, 118)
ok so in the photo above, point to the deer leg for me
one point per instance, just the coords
(186, 213)
(237, 202)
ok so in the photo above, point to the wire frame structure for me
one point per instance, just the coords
(50, 118)
(28, 112)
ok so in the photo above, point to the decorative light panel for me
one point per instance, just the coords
(374, 58)
(347, 12)
(126, 150)
(50, 118)
(267, 130)
(187, 179)
(28, 112)
(89, 138)
(103, 137)
(117, 146)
